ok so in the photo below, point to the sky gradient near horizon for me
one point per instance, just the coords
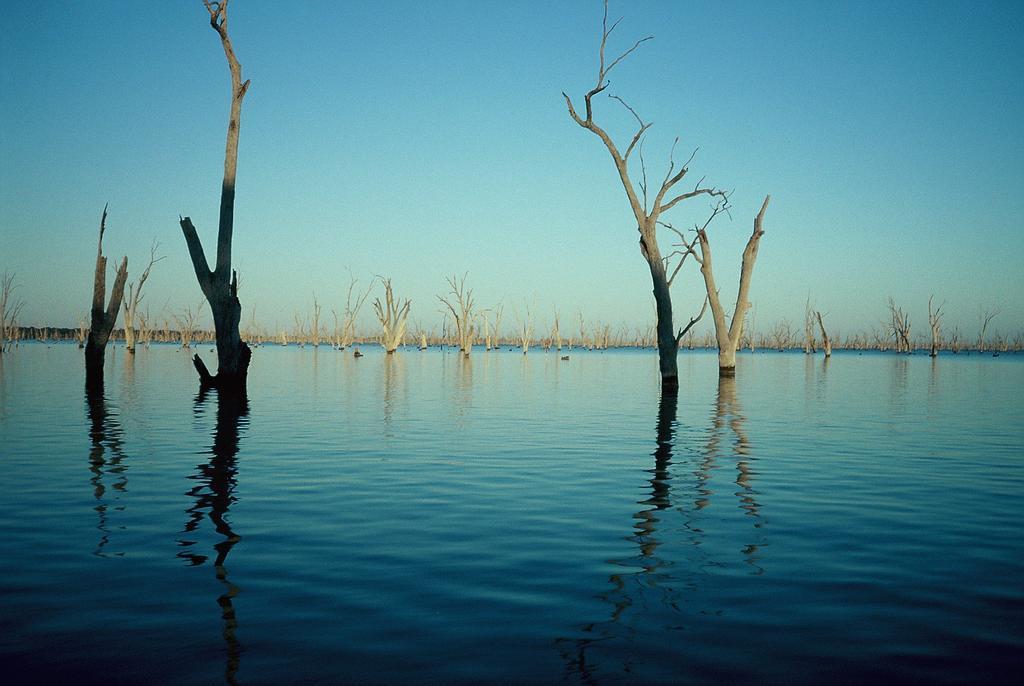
(419, 140)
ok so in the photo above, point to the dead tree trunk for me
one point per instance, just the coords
(525, 329)
(131, 303)
(934, 323)
(220, 286)
(900, 327)
(647, 217)
(314, 331)
(103, 319)
(9, 310)
(462, 312)
(809, 347)
(392, 318)
(352, 307)
(728, 336)
(826, 342)
(985, 316)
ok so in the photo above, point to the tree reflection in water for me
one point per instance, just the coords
(661, 585)
(106, 463)
(213, 495)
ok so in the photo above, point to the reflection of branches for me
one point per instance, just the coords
(213, 495)
(658, 584)
(629, 587)
(394, 370)
(728, 413)
(104, 433)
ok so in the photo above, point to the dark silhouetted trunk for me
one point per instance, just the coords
(220, 286)
(103, 319)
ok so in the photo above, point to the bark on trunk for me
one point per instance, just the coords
(220, 286)
(129, 334)
(728, 336)
(826, 342)
(103, 319)
(668, 343)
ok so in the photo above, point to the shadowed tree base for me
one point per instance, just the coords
(93, 366)
(726, 372)
(223, 379)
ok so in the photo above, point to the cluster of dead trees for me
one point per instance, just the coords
(465, 324)
(10, 308)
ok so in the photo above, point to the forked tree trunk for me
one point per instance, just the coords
(647, 214)
(103, 319)
(728, 335)
(220, 286)
(934, 323)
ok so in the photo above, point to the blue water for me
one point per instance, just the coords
(420, 518)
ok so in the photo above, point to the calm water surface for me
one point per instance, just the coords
(420, 518)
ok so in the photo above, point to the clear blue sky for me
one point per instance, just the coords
(418, 140)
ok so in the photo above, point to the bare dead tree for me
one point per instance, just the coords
(392, 317)
(9, 310)
(187, 323)
(299, 332)
(728, 336)
(826, 342)
(556, 333)
(131, 303)
(103, 319)
(314, 330)
(899, 327)
(483, 318)
(418, 334)
(524, 328)
(220, 286)
(353, 303)
(956, 340)
(145, 328)
(83, 332)
(648, 215)
(497, 311)
(462, 311)
(809, 345)
(985, 316)
(934, 323)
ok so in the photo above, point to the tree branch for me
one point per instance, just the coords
(639, 134)
(693, 320)
(691, 194)
(195, 251)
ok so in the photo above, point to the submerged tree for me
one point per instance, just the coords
(462, 312)
(392, 318)
(353, 303)
(935, 324)
(524, 328)
(985, 317)
(220, 286)
(9, 310)
(729, 336)
(648, 214)
(314, 329)
(809, 347)
(103, 319)
(131, 303)
(826, 342)
(899, 327)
